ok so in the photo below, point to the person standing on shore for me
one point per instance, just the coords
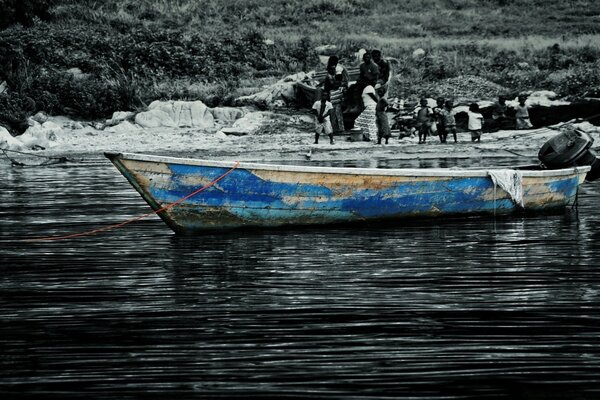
(322, 111)
(499, 110)
(449, 120)
(336, 96)
(475, 122)
(522, 114)
(369, 71)
(340, 74)
(424, 121)
(439, 119)
(384, 67)
(367, 120)
(383, 124)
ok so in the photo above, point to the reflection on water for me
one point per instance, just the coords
(458, 308)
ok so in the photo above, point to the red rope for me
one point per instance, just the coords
(106, 228)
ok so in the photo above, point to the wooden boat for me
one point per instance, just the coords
(261, 195)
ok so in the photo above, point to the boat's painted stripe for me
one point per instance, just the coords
(408, 172)
(247, 193)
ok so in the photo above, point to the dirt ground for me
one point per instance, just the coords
(292, 138)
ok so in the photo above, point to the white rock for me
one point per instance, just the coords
(31, 122)
(250, 123)
(40, 117)
(326, 49)
(75, 125)
(587, 127)
(119, 116)
(154, 119)
(8, 141)
(418, 53)
(226, 114)
(281, 92)
(300, 76)
(176, 114)
(41, 135)
(548, 94)
(123, 127)
(51, 126)
(221, 135)
(235, 131)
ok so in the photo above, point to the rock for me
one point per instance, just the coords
(3, 87)
(226, 114)
(306, 119)
(327, 49)
(97, 125)
(8, 141)
(587, 127)
(176, 114)
(73, 125)
(549, 94)
(298, 77)
(234, 131)
(221, 135)
(31, 122)
(40, 136)
(119, 116)
(40, 117)
(77, 73)
(418, 53)
(154, 119)
(250, 123)
(281, 92)
(123, 127)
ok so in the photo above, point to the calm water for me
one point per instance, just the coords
(463, 308)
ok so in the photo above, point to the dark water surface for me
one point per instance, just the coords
(461, 308)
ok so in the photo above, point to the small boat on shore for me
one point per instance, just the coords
(225, 194)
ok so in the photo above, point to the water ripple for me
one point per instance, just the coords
(458, 308)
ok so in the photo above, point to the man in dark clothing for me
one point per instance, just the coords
(384, 67)
(369, 71)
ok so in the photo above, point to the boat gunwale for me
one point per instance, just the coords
(409, 172)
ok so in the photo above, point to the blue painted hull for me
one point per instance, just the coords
(254, 195)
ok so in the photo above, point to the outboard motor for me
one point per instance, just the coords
(569, 149)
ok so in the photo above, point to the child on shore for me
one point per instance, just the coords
(475, 122)
(439, 119)
(322, 111)
(449, 121)
(424, 121)
(522, 114)
(383, 125)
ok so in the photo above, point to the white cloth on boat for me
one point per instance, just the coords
(511, 181)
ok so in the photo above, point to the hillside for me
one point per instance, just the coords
(89, 58)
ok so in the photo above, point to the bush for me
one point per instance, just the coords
(23, 12)
(14, 110)
(579, 80)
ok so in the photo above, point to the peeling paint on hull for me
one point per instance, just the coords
(256, 195)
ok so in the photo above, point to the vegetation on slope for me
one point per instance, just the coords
(134, 51)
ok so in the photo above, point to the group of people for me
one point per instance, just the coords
(440, 121)
(370, 92)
